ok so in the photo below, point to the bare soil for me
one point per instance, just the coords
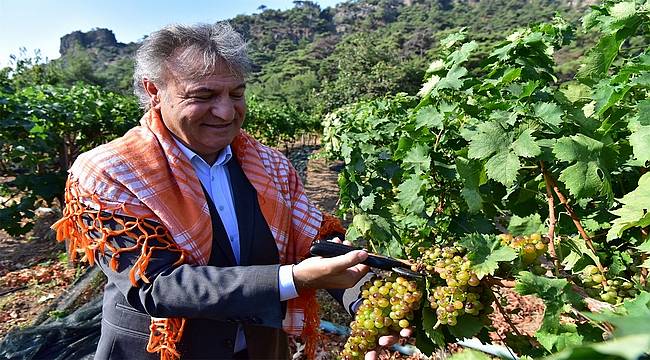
(33, 272)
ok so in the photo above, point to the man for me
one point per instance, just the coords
(199, 228)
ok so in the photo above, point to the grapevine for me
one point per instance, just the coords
(501, 174)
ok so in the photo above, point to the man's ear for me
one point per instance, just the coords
(153, 91)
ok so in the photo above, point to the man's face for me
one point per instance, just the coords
(204, 114)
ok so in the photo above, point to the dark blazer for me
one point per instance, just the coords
(215, 298)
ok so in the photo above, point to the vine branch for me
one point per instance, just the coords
(643, 279)
(503, 313)
(574, 218)
(552, 220)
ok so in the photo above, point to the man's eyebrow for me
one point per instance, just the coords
(202, 89)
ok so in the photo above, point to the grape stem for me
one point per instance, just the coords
(503, 313)
(500, 282)
(438, 138)
(552, 220)
(643, 279)
(574, 217)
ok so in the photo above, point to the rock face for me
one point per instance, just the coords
(97, 38)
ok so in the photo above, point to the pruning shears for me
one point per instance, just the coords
(330, 249)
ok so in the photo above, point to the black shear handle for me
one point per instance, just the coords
(331, 249)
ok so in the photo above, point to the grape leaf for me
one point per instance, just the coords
(418, 158)
(367, 202)
(607, 95)
(645, 246)
(452, 80)
(639, 306)
(435, 336)
(618, 264)
(640, 141)
(510, 75)
(485, 253)
(504, 117)
(451, 39)
(644, 112)
(549, 113)
(461, 55)
(633, 317)
(409, 197)
(635, 210)
(468, 326)
(599, 58)
(643, 80)
(489, 139)
(503, 167)
(575, 92)
(560, 342)
(627, 348)
(526, 225)
(428, 117)
(362, 223)
(557, 294)
(545, 288)
(582, 178)
(471, 173)
(622, 10)
(576, 148)
(468, 354)
(473, 199)
(525, 145)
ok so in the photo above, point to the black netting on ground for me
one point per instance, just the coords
(69, 338)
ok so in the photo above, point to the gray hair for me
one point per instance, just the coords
(198, 50)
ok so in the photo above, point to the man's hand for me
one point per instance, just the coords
(387, 341)
(339, 272)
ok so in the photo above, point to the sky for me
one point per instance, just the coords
(39, 24)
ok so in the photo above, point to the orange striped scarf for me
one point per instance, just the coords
(146, 176)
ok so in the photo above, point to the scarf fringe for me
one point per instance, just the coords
(80, 232)
(311, 331)
(165, 332)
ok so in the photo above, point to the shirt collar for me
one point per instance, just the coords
(224, 155)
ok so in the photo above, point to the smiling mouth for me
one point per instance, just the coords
(217, 126)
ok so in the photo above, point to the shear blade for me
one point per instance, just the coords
(407, 272)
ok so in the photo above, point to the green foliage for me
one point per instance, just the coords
(634, 211)
(558, 298)
(43, 130)
(469, 355)
(485, 147)
(631, 336)
(486, 253)
(274, 124)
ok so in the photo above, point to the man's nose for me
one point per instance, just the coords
(224, 108)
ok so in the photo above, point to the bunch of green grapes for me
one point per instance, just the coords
(459, 290)
(598, 286)
(530, 248)
(388, 304)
